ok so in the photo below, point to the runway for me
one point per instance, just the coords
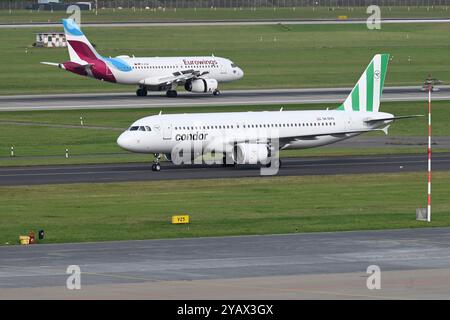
(225, 23)
(186, 99)
(97, 173)
(414, 263)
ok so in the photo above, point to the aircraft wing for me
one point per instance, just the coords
(341, 134)
(393, 118)
(178, 77)
(286, 140)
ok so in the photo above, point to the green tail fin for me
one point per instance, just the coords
(366, 94)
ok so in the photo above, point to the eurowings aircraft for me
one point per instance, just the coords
(249, 137)
(196, 74)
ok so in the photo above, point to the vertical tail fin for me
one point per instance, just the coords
(80, 49)
(366, 94)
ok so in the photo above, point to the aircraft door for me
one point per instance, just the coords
(167, 131)
(348, 122)
(223, 69)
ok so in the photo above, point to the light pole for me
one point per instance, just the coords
(429, 85)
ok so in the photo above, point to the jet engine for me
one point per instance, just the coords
(201, 85)
(246, 153)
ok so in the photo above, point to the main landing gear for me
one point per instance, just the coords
(228, 161)
(171, 93)
(141, 92)
(216, 92)
(156, 166)
(268, 165)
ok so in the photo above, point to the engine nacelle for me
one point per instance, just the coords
(201, 85)
(246, 153)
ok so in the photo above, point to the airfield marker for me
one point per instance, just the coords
(429, 84)
(429, 156)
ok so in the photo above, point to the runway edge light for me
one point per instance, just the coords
(180, 219)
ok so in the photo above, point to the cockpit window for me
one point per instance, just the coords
(140, 128)
(234, 65)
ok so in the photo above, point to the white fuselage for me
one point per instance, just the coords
(220, 131)
(138, 71)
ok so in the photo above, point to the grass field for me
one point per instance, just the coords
(277, 56)
(39, 137)
(172, 14)
(120, 211)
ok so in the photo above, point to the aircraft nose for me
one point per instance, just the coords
(241, 73)
(124, 141)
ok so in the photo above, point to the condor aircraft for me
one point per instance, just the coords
(196, 74)
(248, 137)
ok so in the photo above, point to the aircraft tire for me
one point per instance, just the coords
(141, 92)
(171, 93)
(269, 164)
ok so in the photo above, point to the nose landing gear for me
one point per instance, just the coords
(156, 165)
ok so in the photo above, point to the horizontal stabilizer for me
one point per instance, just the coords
(51, 64)
(85, 66)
